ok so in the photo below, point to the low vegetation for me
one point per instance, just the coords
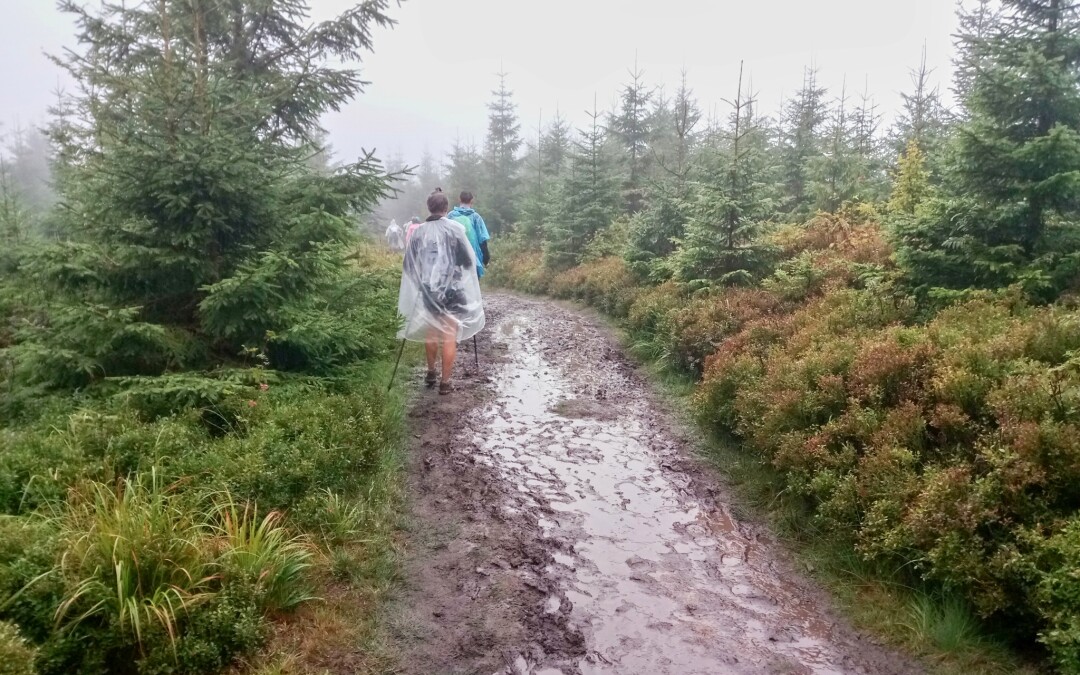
(939, 448)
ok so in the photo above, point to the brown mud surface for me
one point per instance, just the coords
(561, 525)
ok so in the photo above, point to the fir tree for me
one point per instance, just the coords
(630, 130)
(587, 198)
(729, 206)
(800, 143)
(1012, 190)
(502, 162)
(195, 225)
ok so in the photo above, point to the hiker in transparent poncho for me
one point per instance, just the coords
(440, 292)
(395, 236)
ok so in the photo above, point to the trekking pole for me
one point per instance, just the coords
(402, 350)
(476, 353)
(392, 376)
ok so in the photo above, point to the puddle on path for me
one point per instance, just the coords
(658, 585)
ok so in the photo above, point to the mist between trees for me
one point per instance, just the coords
(818, 150)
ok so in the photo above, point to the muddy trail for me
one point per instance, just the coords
(562, 526)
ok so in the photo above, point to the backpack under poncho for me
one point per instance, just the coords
(440, 291)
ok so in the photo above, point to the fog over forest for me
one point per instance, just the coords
(431, 75)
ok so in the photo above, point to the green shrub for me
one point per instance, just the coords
(294, 445)
(949, 450)
(1057, 594)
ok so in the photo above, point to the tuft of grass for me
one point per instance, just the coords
(342, 565)
(334, 518)
(262, 551)
(135, 557)
(943, 621)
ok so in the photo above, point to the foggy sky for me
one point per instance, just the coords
(431, 76)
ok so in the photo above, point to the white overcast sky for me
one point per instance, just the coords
(432, 74)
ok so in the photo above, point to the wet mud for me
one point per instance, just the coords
(563, 526)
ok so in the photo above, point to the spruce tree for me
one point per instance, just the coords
(850, 166)
(663, 140)
(195, 227)
(923, 119)
(653, 236)
(464, 169)
(800, 142)
(630, 130)
(871, 180)
(429, 175)
(911, 186)
(686, 118)
(832, 175)
(728, 207)
(545, 165)
(29, 159)
(587, 198)
(14, 217)
(1012, 188)
(976, 19)
(556, 144)
(501, 159)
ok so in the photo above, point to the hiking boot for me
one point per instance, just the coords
(430, 379)
(445, 388)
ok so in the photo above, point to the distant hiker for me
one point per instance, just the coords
(395, 236)
(411, 227)
(475, 227)
(440, 291)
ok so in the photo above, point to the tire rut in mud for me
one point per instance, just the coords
(561, 525)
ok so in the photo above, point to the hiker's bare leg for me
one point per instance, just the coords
(449, 350)
(431, 348)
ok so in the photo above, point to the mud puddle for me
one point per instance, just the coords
(635, 563)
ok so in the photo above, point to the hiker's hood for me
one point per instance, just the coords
(463, 210)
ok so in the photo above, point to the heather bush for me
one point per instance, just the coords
(606, 284)
(949, 449)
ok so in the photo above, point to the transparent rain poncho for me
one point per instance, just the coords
(440, 293)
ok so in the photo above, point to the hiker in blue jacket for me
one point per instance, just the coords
(475, 227)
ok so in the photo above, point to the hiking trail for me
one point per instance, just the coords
(562, 525)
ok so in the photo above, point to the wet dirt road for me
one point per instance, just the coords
(564, 527)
